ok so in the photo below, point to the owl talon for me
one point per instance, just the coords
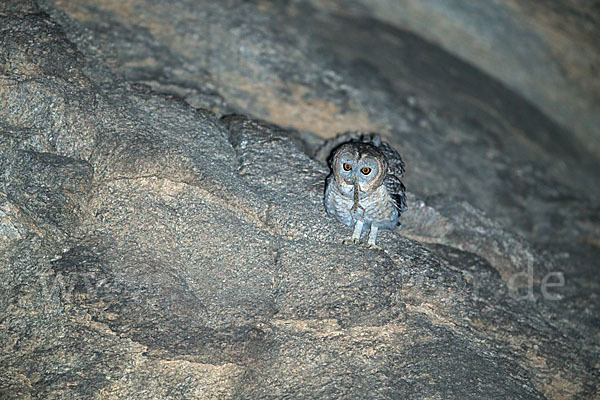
(370, 246)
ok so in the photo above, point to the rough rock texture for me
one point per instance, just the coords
(159, 239)
(548, 51)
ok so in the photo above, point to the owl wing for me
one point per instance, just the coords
(395, 163)
(397, 192)
(327, 198)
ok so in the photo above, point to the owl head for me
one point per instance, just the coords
(360, 163)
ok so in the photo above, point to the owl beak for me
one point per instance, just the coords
(350, 181)
(354, 182)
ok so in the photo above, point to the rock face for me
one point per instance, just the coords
(162, 231)
(546, 51)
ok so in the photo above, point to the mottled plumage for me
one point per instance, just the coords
(364, 189)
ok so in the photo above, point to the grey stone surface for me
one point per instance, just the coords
(162, 233)
(546, 51)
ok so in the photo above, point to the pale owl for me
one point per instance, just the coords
(364, 188)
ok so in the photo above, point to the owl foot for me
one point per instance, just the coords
(371, 246)
(350, 241)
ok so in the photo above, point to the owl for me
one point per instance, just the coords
(364, 188)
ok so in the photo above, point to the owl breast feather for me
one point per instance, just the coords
(379, 207)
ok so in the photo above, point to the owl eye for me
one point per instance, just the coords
(365, 170)
(347, 167)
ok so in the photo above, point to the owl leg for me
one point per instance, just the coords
(373, 237)
(356, 234)
(357, 230)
